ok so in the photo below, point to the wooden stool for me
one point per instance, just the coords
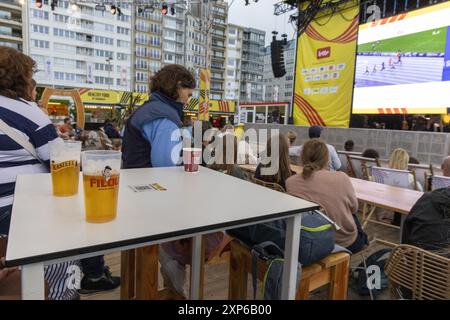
(139, 273)
(333, 270)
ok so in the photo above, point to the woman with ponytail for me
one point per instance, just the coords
(332, 190)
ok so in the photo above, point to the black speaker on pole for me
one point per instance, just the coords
(277, 55)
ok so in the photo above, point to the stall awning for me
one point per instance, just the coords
(111, 97)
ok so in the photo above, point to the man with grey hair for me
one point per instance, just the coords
(446, 167)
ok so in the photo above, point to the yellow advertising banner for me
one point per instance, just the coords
(111, 97)
(203, 109)
(325, 65)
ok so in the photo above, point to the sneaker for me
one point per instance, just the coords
(106, 283)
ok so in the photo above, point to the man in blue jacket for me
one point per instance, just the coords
(149, 139)
(152, 138)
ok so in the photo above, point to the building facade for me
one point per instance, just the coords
(148, 52)
(219, 20)
(252, 67)
(80, 47)
(280, 89)
(173, 37)
(195, 47)
(11, 24)
(234, 61)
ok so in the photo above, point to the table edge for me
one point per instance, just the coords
(162, 236)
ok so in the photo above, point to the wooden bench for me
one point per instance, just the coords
(332, 271)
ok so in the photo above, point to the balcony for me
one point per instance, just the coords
(13, 36)
(11, 5)
(221, 35)
(11, 21)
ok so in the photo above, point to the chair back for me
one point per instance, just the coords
(270, 185)
(422, 172)
(344, 160)
(392, 177)
(424, 273)
(360, 166)
(438, 182)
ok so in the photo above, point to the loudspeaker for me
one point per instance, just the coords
(277, 57)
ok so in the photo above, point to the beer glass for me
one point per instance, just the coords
(65, 166)
(101, 170)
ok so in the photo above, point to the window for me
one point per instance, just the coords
(232, 42)
(65, 76)
(122, 56)
(232, 31)
(123, 18)
(231, 62)
(65, 48)
(169, 57)
(40, 29)
(60, 18)
(123, 44)
(40, 44)
(39, 14)
(81, 64)
(104, 53)
(122, 30)
(104, 40)
(65, 62)
(87, 10)
(230, 73)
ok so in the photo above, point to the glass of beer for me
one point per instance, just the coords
(65, 167)
(101, 170)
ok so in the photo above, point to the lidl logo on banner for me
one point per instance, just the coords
(323, 53)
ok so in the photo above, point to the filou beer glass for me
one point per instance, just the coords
(65, 167)
(101, 170)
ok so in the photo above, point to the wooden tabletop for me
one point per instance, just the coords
(381, 195)
(385, 196)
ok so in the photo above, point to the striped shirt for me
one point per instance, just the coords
(26, 118)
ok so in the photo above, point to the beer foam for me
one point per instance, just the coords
(96, 167)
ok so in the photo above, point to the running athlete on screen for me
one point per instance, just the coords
(399, 57)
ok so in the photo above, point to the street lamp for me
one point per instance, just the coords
(109, 59)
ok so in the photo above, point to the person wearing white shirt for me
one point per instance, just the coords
(315, 132)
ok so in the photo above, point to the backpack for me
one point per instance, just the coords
(360, 277)
(267, 240)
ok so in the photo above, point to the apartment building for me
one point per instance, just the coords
(234, 62)
(252, 66)
(11, 24)
(219, 17)
(80, 46)
(148, 46)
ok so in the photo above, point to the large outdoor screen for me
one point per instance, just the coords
(403, 63)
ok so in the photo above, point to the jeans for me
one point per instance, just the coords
(93, 268)
(361, 238)
(5, 219)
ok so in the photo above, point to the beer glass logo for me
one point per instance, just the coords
(106, 173)
(63, 165)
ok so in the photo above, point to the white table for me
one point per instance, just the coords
(46, 229)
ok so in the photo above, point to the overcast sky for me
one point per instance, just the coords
(260, 15)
